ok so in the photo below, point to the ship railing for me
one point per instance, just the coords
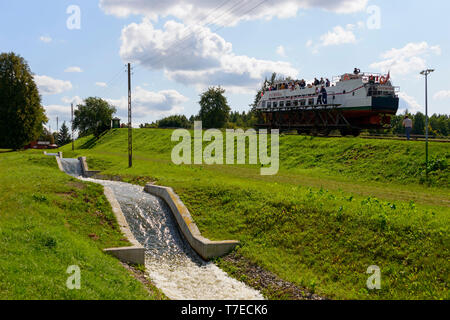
(361, 75)
(306, 107)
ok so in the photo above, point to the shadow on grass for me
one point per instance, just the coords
(89, 144)
(92, 142)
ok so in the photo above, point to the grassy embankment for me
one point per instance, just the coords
(336, 207)
(50, 221)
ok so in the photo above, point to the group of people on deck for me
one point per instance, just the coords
(299, 84)
(320, 87)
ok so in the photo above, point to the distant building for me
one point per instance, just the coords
(115, 123)
(41, 145)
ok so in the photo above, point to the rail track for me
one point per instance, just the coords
(398, 138)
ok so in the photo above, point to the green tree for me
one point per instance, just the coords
(22, 115)
(397, 124)
(64, 135)
(418, 123)
(176, 121)
(46, 135)
(93, 117)
(440, 124)
(242, 120)
(265, 85)
(214, 109)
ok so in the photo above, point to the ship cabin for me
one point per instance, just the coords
(347, 90)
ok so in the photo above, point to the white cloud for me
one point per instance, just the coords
(73, 69)
(339, 35)
(45, 39)
(442, 95)
(219, 13)
(147, 103)
(49, 86)
(101, 84)
(203, 59)
(281, 51)
(63, 111)
(411, 58)
(409, 103)
(55, 110)
(75, 100)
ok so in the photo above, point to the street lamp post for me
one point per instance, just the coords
(426, 73)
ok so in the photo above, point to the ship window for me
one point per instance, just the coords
(288, 103)
(268, 104)
(263, 105)
(274, 104)
(281, 104)
(296, 103)
(303, 102)
(311, 102)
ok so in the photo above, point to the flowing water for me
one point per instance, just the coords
(170, 262)
(72, 167)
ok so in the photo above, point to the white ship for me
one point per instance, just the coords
(349, 103)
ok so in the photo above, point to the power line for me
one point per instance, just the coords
(113, 80)
(211, 20)
(192, 25)
(239, 5)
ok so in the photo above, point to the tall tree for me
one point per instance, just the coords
(176, 121)
(264, 86)
(21, 113)
(214, 109)
(64, 135)
(418, 123)
(93, 117)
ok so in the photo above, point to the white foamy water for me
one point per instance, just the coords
(170, 262)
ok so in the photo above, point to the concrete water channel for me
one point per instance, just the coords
(170, 262)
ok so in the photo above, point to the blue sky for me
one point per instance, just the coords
(180, 47)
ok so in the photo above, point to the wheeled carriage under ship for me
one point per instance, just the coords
(354, 102)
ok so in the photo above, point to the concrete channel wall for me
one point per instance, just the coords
(84, 167)
(134, 254)
(58, 161)
(206, 248)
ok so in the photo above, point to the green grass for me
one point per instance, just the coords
(50, 221)
(336, 207)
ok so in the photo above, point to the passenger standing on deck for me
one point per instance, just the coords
(319, 97)
(408, 124)
(328, 83)
(324, 94)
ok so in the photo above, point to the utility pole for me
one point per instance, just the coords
(57, 124)
(426, 73)
(71, 111)
(130, 130)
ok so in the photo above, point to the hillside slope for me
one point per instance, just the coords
(347, 158)
(336, 207)
(50, 221)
